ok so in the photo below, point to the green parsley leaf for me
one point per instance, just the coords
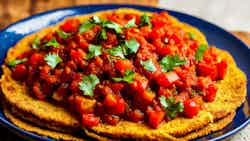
(131, 23)
(128, 77)
(17, 61)
(102, 34)
(131, 46)
(148, 65)
(52, 43)
(116, 51)
(191, 35)
(52, 59)
(145, 20)
(85, 26)
(88, 84)
(171, 106)
(94, 50)
(169, 62)
(200, 51)
(63, 34)
(35, 43)
(112, 25)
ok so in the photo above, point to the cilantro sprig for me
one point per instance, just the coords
(88, 84)
(131, 23)
(13, 63)
(169, 62)
(116, 51)
(53, 42)
(128, 77)
(85, 26)
(145, 20)
(192, 35)
(148, 65)
(171, 106)
(94, 50)
(199, 52)
(63, 34)
(53, 59)
(35, 43)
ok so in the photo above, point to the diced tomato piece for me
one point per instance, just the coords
(203, 82)
(70, 25)
(164, 92)
(123, 65)
(222, 69)
(176, 39)
(155, 118)
(36, 59)
(20, 72)
(37, 91)
(140, 84)
(166, 79)
(90, 120)
(191, 108)
(210, 93)
(147, 96)
(136, 115)
(110, 100)
(205, 69)
(119, 108)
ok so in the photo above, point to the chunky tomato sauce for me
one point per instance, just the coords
(131, 67)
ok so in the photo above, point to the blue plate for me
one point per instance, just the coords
(215, 36)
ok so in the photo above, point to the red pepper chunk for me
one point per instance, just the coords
(210, 93)
(222, 69)
(123, 65)
(36, 59)
(70, 25)
(110, 100)
(119, 108)
(20, 72)
(166, 79)
(90, 120)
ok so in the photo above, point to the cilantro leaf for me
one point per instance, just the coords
(131, 23)
(94, 50)
(112, 25)
(17, 61)
(52, 43)
(128, 77)
(148, 65)
(145, 20)
(116, 51)
(169, 62)
(131, 46)
(35, 43)
(171, 106)
(63, 34)
(53, 59)
(88, 84)
(102, 35)
(191, 35)
(200, 51)
(85, 26)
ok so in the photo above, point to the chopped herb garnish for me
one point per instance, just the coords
(128, 77)
(200, 51)
(112, 25)
(131, 23)
(191, 35)
(88, 84)
(17, 61)
(102, 34)
(145, 20)
(116, 51)
(35, 43)
(52, 43)
(63, 34)
(94, 50)
(131, 46)
(171, 106)
(85, 26)
(52, 59)
(96, 20)
(169, 62)
(148, 65)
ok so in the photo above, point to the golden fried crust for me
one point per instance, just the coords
(34, 129)
(230, 95)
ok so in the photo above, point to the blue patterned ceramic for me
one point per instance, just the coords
(215, 36)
